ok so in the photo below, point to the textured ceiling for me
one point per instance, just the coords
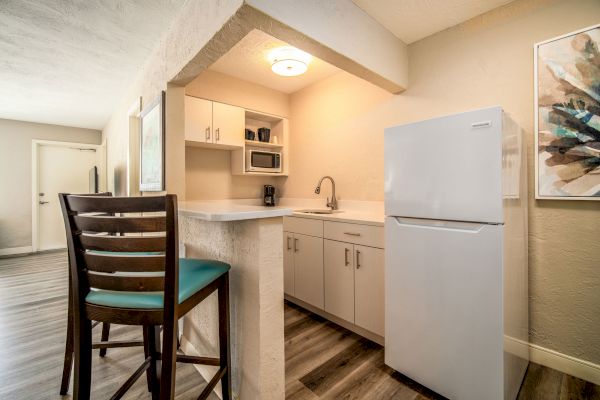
(248, 60)
(412, 20)
(68, 62)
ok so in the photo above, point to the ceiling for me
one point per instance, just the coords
(68, 62)
(412, 20)
(248, 60)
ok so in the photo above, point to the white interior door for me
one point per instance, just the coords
(443, 305)
(60, 169)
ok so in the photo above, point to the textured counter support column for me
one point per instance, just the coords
(254, 248)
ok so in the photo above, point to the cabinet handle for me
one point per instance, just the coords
(296, 248)
(357, 259)
(346, 252)
(289, 246)
(352, 233)
(207, 132)
(217, 134)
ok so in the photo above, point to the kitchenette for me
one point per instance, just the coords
(268, 190)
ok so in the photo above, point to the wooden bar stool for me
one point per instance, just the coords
(138, 279)
(103, 345)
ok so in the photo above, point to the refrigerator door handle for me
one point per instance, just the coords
(467, 227)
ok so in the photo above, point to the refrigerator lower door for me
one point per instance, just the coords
(447, 168)
(443, 305)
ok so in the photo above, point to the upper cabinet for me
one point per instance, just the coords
(228, 125)
(198, 120)
(222, 126)
(212, 124)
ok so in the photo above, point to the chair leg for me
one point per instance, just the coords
(104, 337)
(224, 342)
(146, 355)
(83, 359)
(169, 359)
(68, 363)
(152, 349)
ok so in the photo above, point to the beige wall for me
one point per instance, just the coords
(485, 61)
(337, 129)
(15, 173)
(208, 172)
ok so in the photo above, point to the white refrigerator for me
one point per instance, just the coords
(456, 308)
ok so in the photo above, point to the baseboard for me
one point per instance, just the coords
(15, 250)
(561, 362)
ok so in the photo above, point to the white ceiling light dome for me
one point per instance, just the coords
(289, 61)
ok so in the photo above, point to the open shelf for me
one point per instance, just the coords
(256, 143)
(265, 173)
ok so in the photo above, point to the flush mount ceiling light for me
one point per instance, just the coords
(289, 61)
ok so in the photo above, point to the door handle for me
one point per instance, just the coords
(289, 246)
(44, 202)
(296, 248)
(357, 259)
(217, 134)
(207, 132)
(346, 252)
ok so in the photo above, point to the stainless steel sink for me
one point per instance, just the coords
(319, 211)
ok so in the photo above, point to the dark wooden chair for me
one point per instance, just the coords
(103, 345)
(138, 279)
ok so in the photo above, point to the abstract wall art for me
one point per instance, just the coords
(567, 120)
(152, 146)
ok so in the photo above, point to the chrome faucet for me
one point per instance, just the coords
(333, 203)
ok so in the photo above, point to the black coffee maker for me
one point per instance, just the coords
(269, 195)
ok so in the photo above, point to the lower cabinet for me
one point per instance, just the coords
(334, 267)
(369, 299)
(339, 279)
(354, 282)
(303, 268)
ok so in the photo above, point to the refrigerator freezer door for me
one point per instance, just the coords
(443, 305)
(446, 168)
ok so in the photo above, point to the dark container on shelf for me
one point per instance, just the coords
(250, 135)
(264, 134)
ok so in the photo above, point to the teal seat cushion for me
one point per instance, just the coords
(193, 276)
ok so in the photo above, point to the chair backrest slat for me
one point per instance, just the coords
(103, 223)
(115, 245)
(88, 204)
(126, 283)
(111, 263)
(123, 243)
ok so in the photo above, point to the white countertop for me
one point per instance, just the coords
(229, 210)
(358, 212)
(352, 211)
(355, 217)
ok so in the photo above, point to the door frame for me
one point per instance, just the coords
(35, 148)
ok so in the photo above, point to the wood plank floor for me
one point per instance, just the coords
(323, 360)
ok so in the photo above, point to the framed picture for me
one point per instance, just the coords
(567, 116)
(152, 146)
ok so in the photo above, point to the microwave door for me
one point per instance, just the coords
(262, 160)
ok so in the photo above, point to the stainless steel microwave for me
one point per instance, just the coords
(263, 161)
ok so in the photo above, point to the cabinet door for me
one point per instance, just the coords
(339, 279)
(288, 263)
(228, 124)
(369, 288)
(198, 119)
(308, 269)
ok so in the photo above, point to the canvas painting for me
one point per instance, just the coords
(568, 116)
(152, 124)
